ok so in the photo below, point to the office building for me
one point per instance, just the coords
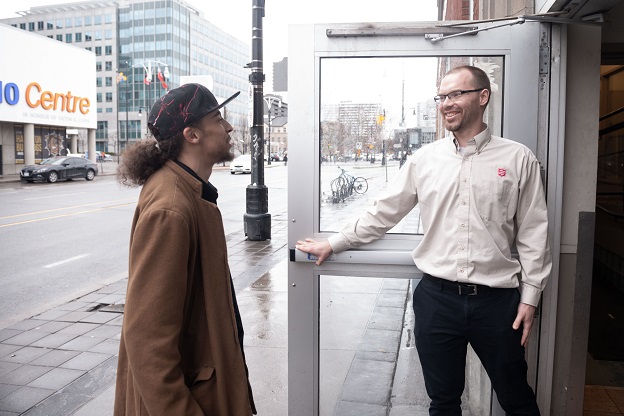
(142, 49)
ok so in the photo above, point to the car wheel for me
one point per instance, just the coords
(90, 175)
(52, 177)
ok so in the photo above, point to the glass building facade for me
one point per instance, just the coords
(131, 38)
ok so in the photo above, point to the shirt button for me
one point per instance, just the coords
(462, 248)
(461, 270)
(462, 225)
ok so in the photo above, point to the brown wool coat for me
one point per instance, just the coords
(179, 352)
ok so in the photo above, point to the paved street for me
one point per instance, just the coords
(62, 359)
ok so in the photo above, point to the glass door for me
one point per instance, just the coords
(361, 101)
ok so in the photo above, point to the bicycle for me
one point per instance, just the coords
(344, 185)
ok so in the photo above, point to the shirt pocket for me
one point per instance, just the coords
(491, 198)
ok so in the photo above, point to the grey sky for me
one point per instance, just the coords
(234, 16)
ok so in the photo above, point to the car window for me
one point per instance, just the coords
(58, 161)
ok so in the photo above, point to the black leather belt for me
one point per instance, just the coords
(458, 288)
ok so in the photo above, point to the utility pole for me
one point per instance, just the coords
(257, 220)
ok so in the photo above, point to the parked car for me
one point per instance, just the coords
(241, 164)
(60, 168)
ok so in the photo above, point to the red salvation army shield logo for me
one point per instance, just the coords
(502, 172)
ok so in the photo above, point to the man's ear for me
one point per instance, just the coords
(484, 97)
(190, 134)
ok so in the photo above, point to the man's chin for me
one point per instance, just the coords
(227, 158)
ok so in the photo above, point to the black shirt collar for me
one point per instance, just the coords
(209, 192)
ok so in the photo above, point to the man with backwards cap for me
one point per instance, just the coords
(181, 349)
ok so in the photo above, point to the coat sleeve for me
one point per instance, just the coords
(154, 310)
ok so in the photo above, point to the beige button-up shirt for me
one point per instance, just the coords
(474, 208)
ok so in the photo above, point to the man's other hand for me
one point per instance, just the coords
(524, 318)
(321, 249)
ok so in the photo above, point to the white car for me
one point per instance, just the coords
(241, 164)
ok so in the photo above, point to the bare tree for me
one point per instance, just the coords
(240, 135)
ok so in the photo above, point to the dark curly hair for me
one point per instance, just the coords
(144, 158)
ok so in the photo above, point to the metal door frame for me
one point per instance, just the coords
(532, 124)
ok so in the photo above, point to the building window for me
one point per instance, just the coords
(31, 26)
(50, 26)
(59, 23)
(39, 25)
(99, 97)
(108, 18)
(109, 109)
(59, 38)
(88, 48)
(68, 38)
(108, 50)
(78, 37)
(51, 36)
(23, 26)
(109, 81)
(88, 37)
(108, 34)
(109, 66)
(99, 110)
(68, 22)
(98, 66)
(133, 127)
(97, 19)
(102, 130)
(109, 97)
(97, 35)
(87, 20)
(98, 51)
(78, 21)
(98, 81)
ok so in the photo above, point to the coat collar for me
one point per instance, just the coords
(191, 181)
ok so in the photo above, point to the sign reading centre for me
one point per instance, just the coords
(36, 97)
(46, 82)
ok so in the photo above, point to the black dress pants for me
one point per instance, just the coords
(448, 316)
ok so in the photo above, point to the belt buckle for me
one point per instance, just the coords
(468, 286)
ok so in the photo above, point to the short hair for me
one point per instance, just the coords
(481, 79)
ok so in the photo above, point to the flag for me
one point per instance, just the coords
(148, 73)
(121, 77)
(161, 78)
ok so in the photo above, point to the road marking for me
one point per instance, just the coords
(60, 209)
(53, 196)
(58, 263)
(64, 215)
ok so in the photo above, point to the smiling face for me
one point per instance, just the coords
(463, 115)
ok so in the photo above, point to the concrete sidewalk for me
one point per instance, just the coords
(63, 361)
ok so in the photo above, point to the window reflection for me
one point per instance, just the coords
(374, 113)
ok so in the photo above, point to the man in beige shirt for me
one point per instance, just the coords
(479, 195)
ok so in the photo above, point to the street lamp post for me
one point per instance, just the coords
(146, 119)
(257, 220)
(149, 77)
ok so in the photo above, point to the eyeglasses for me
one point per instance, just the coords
(439, 99)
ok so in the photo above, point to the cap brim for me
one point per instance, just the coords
(236, 94)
